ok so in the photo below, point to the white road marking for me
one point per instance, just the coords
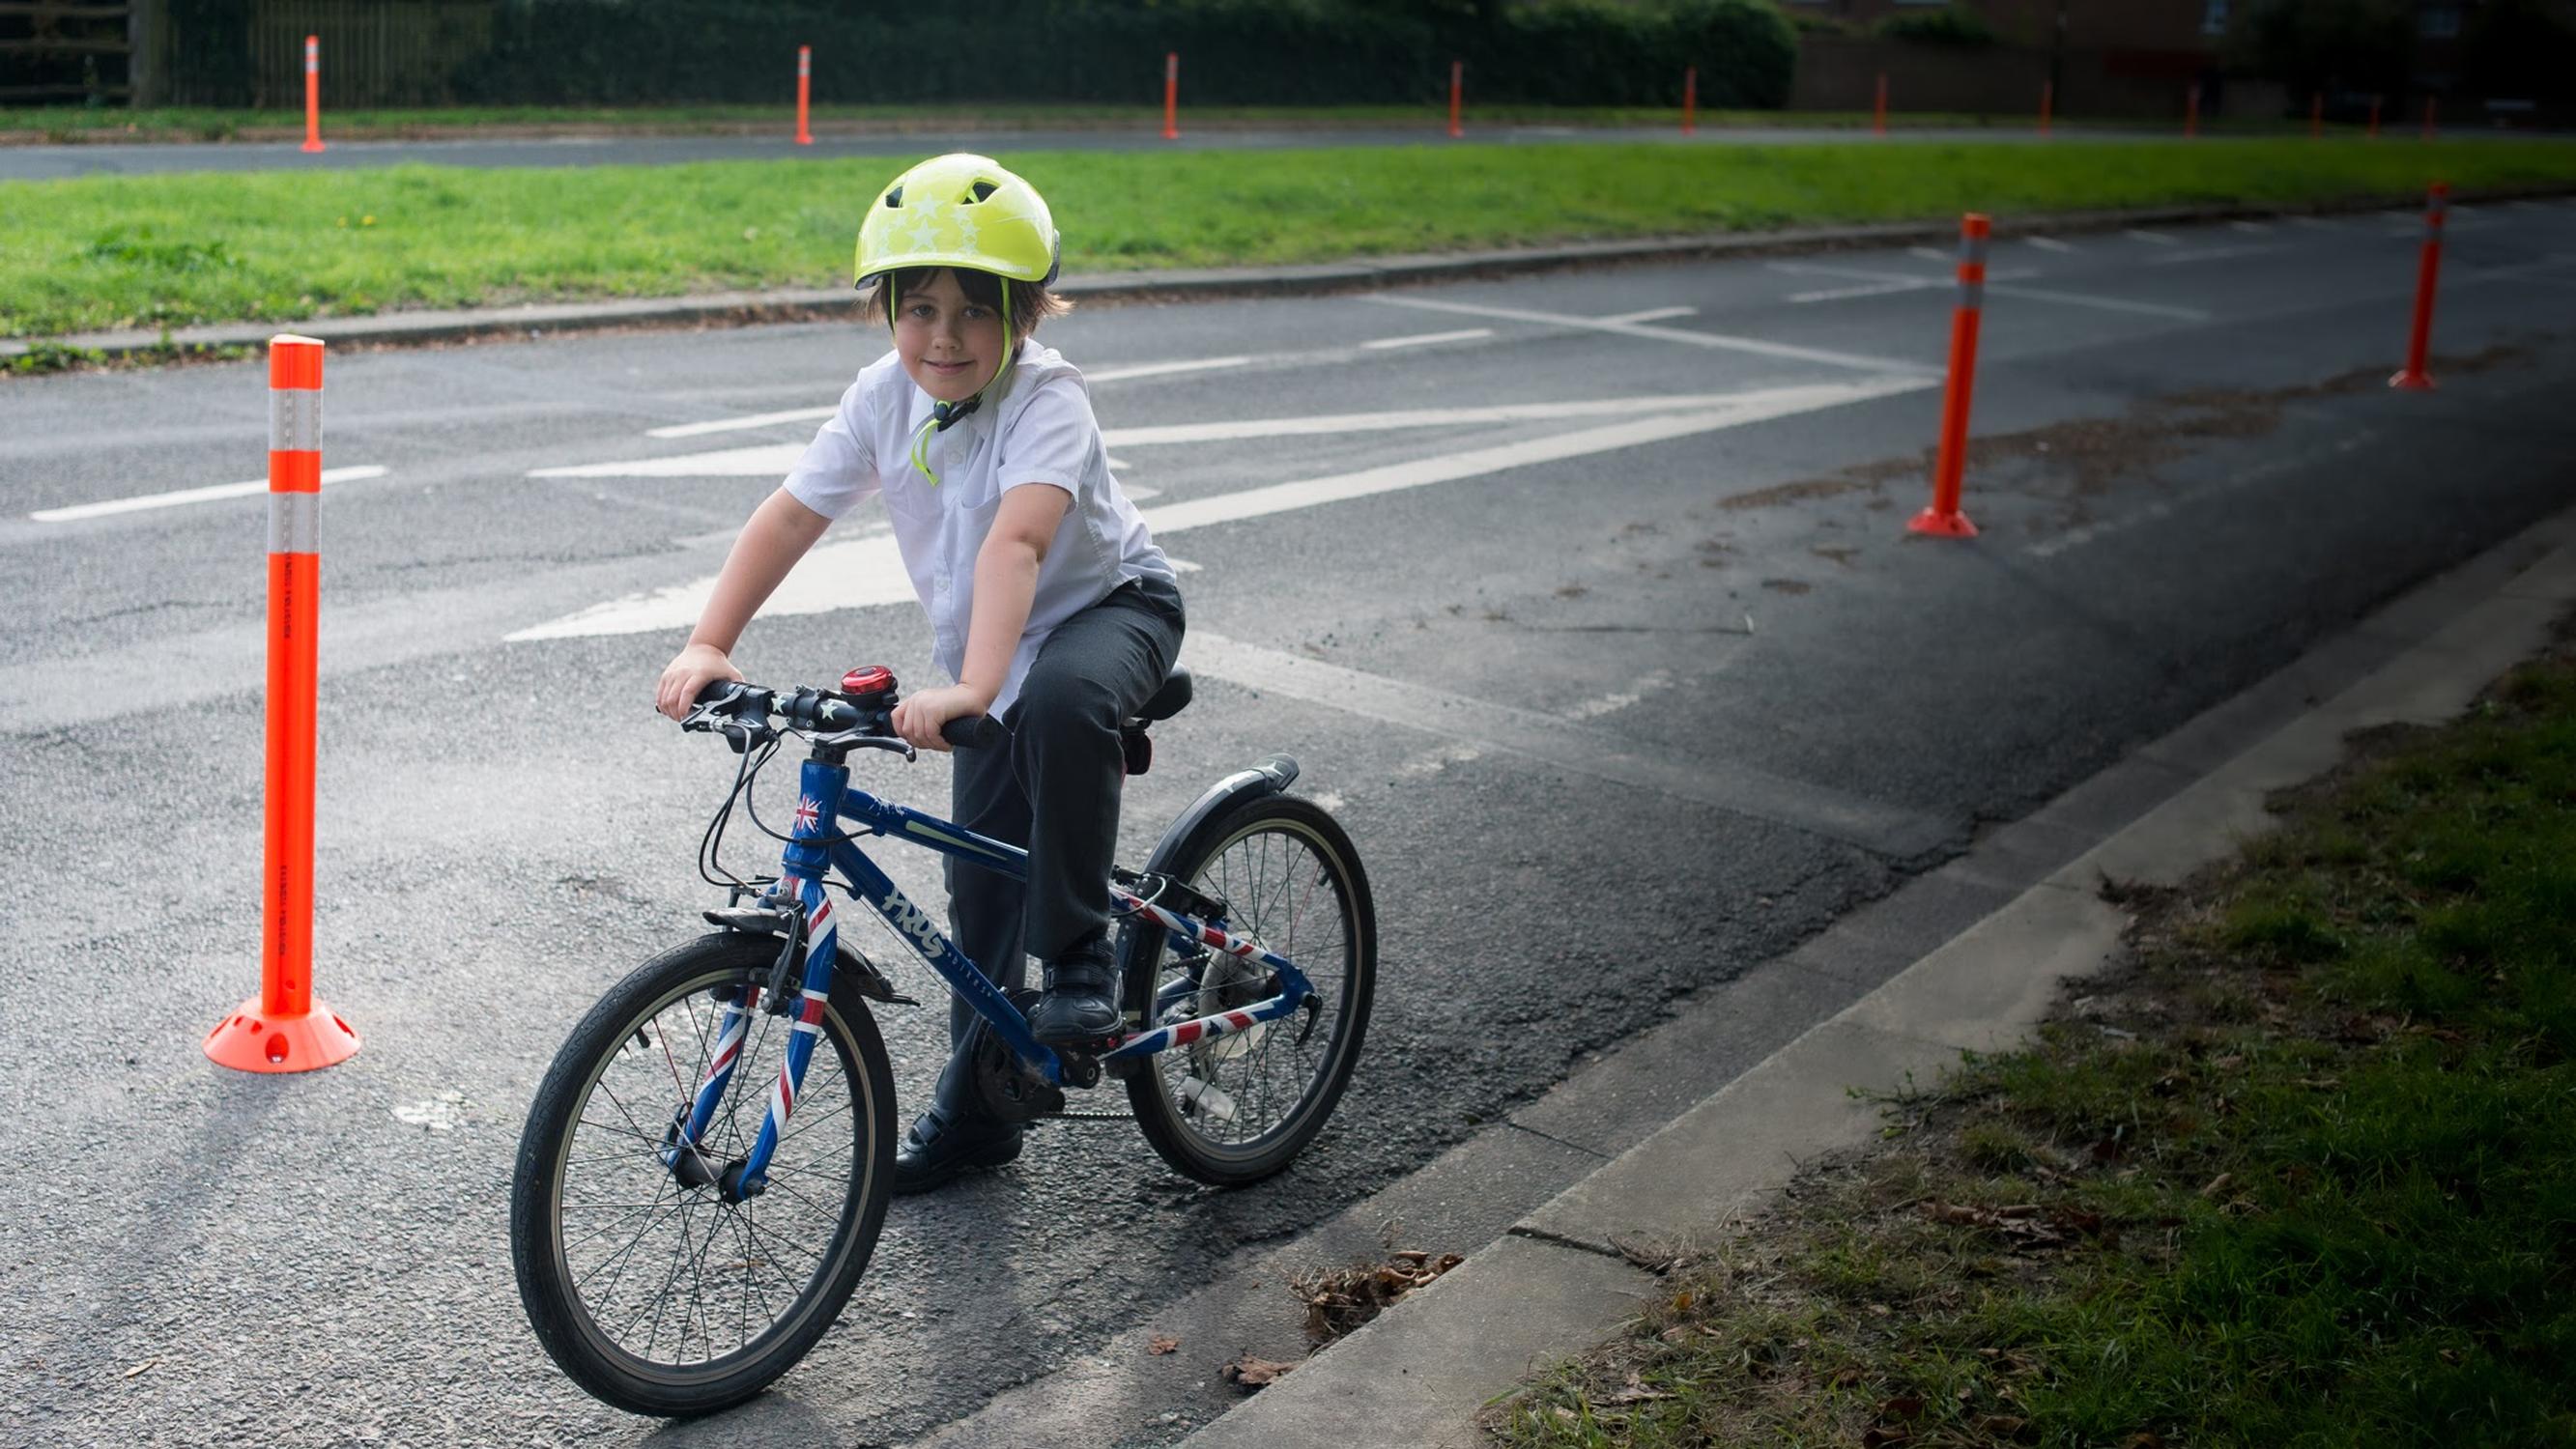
(867, 570)
(2252, 228)
(2104, 304)
(2212, 254)
(2155, 237)
(2049, 244)
(1165, 369)
(773, 460)
(1932, 254)
(1871, 289)
(1716, 340)
(1560, 744)
(817, 414)
(756, 420)
(1647, 684)
(2316, 223)
(73, 513)
(1654, 314)
(1425, 339)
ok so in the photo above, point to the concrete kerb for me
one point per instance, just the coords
(746, 308)
(1555, 1284)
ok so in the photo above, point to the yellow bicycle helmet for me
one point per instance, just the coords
(959, 210)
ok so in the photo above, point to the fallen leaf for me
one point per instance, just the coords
(1904, 1406)
(138, 1368)
(1845, 1378)
(1251, 1373)
(1161, 1345)
(2002, 1426)
(1884, 1438)
(2218, 1184)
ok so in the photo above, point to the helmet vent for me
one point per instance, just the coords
(894, 198)
(984, 190)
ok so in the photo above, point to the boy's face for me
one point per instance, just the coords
(950, 346)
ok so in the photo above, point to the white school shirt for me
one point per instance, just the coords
(1040, 430)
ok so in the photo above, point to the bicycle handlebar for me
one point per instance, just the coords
(824, 713)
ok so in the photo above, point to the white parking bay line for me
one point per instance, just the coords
(2049, 244)
(73, 513)
(817, 414)
(867, 570)
(1654, 314)
(1425, 339)
(1716, 340)
(2212, 254)
(1562, 744)
(730, 425)
(2156, 238)
(1866, 289)
(773, 460)
(2251, 228)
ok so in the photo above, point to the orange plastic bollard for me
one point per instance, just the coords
(2047, 104)
(2191, 110)
(1943, 518)
(2373, 133)
(1878, 108)
(2413, 378)
(1172, 95)
(1690, 100)
(2316, 115)
(313, 93)
(1457, 86)
(804, 93)
(284, 1029)
(2432, 108)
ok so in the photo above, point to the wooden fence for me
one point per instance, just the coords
(65, 50)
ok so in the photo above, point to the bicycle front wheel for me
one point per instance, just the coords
(648, 1288)
(1235, 1109)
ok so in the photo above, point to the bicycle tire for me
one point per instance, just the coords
(630, 1015)
(1173, 1114)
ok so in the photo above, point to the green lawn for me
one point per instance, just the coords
(169, 250)
(179, 123)
(2304, 1177)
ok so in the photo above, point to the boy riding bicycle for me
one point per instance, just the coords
(1049, 604)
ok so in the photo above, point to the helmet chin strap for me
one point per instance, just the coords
(945, 414)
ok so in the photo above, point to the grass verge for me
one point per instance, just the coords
(2301, 1173)
(41, 124)
(175, 249)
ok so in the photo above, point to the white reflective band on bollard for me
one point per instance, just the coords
(294, 420)
(295, 523)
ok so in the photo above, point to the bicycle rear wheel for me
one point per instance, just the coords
(652, 1293)
(1235, 1109)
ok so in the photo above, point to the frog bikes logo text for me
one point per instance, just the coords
(916, 927)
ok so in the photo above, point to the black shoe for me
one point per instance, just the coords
(934, 1152)
(1080, 1004)
(954, 1133)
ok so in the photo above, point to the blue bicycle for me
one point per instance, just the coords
(704, 1170)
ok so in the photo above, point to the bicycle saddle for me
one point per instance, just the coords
(1169, 700)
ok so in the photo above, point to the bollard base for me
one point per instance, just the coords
(2413, 381)
(312, 146)
(1942, 525)
(250, 1040)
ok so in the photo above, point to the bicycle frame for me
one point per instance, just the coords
(815, 848)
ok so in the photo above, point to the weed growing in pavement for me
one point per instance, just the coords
(2300, 1172)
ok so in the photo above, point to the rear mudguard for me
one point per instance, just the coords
(1136, 955)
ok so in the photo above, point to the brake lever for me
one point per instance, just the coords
(860, 740)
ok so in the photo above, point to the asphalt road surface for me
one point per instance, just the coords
(41, 163)
(1585, 600)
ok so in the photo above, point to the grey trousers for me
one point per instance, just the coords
(1055, 790)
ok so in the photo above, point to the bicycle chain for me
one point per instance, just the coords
(1079, 1116)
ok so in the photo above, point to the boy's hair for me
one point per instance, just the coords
(1031, 302)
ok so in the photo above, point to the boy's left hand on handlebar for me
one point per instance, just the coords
(919, 716)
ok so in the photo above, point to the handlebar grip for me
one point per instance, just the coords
(716, 689)
(977, 732)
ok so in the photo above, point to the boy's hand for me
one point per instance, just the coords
(689, 671)
(919, 716)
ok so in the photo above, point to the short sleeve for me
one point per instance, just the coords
(839, 469)
(1051, 440)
